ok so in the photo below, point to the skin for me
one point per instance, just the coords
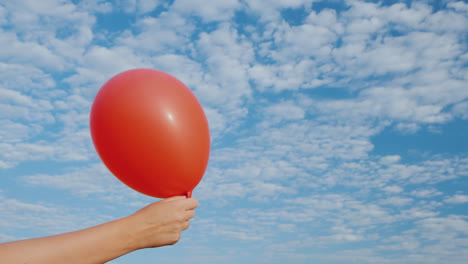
(158, 224)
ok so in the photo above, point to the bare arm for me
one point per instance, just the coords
(156, 225)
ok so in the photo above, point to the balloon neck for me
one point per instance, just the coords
(189, 194)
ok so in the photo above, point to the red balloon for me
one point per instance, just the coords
(151, 132)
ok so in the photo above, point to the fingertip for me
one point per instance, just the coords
(193, 203)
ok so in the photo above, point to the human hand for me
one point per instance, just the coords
(161, 223)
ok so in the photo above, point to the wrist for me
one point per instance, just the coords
(128, 232)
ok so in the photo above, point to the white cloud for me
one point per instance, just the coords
(37, 54)
(221, 190)
(5, 238)
(264, 191)
(407, 128)
(138, 6)
(393, 189)
(6, 164)
(325, 18)
(426, 193)
(15, 97)
(47, 7)
(3, 17)
(100, 6)
(286, 76)
(112, 61)
(364, 26)
(30, 115)
(23, 77)
(398, 13)
(443, 228)
(270, 10)
(167, 33)
(446, 21)
(303, 41)
(342, 235)
(457, 199)
(391, 159)
(285, 111)
(39, 112)
(227, 56)
(239, 235)
(288, 228)
(461, 110)
(217, 122)
(15, 205)
(12, 154)
(51, 31)
(392, 103)
(422, 60)
(13, 132)
(37, 219)
(214, 11)
(145, 6)
(79, 181)
(459, 6)
(397, 201)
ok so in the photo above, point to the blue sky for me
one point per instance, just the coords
(339, 128)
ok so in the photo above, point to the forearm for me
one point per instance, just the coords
(94, 245)
(158, 224)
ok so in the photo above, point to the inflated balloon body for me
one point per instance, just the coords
(151, 132)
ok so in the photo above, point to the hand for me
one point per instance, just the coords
(161, 223)
(156, 225)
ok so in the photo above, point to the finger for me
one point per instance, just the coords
(189, 214)
(175, 198)
(190, 203)
(185, 225)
